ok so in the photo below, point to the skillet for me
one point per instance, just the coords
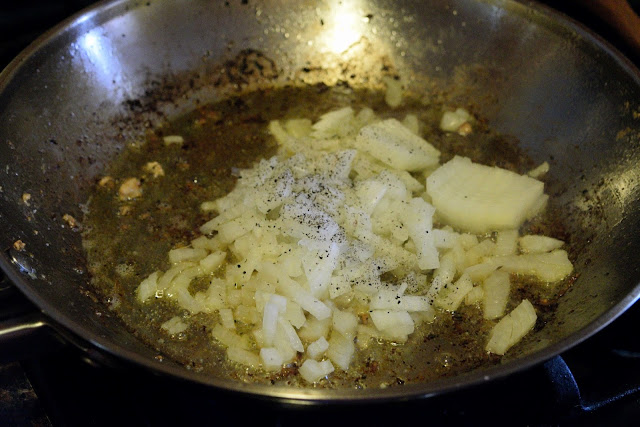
(70, 102)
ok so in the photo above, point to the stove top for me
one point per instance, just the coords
(595, 383)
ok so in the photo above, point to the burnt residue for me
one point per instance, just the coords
(363, 66)
(250, 65)
(247, 71)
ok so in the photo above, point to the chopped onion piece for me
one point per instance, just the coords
(271, 359)
(511, 328)
(317, 348)
(313, 371)
(538, 244)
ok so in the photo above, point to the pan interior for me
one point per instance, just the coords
(128, 240)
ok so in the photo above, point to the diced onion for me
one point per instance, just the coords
(296, 256)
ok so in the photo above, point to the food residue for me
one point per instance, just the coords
(173, 140)
(106, 181)
(71, 221)
(130, 189)
(154, 168)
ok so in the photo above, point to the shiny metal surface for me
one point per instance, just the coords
(71, 101)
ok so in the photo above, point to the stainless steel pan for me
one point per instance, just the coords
(70, 102)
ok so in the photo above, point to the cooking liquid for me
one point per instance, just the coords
(125, 241)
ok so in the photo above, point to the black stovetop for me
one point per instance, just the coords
(595, 383)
